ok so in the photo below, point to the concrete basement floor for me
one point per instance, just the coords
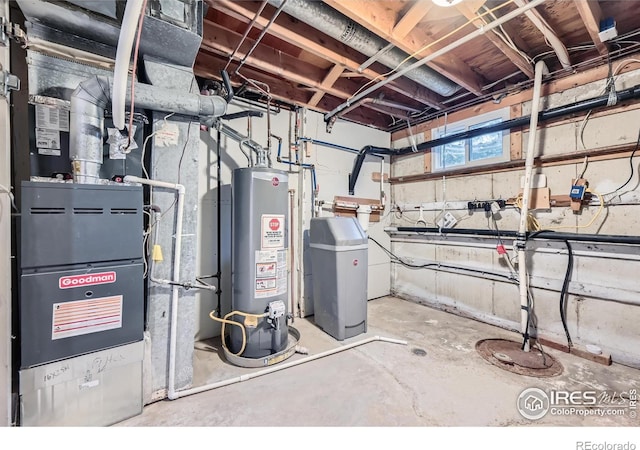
(383, 384)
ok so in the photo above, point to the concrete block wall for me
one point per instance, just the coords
(603, 302)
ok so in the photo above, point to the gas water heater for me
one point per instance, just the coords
(259, 254)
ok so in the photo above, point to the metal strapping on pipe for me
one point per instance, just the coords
(433, 55)
(331, 22)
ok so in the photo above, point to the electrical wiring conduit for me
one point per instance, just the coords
(282, 366)
(123, 56)
(177, 254)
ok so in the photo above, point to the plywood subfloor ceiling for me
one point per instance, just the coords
(320, 54)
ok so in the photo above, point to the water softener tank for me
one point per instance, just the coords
(259, 258)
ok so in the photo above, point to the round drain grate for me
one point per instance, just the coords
(508, 355)
(419, 352)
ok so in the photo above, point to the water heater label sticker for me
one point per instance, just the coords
(266, 256)
(281, 276)
(273, 231)
(48, 138)
(265, 287)
(81, 317)
(266, 273)
(267, 270)
(52, 118)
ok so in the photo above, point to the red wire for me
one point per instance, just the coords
(134, 69)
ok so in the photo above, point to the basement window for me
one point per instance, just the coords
(476, 151)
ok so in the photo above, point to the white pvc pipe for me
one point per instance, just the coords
(282, 366)
(123, 56)
(526, 193)
(175, 289)
(555, 42)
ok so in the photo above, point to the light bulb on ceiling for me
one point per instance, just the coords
(446, 3)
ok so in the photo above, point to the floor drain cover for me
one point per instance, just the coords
(508, 355)
(419, 352)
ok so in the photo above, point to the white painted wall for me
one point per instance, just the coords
(5, 246)
(332, 169)
(602, 275)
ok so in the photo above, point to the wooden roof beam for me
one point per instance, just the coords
(221, 41)
(374, 17)
(550, 35)
(331, 77)
(208, 65)
(411, 18)
(311, 40)
(591, 14)
(516, 58)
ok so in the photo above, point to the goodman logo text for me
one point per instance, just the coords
(89, 279)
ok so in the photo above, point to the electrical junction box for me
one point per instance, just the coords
(577, 192)
(578, 189)
(448, 221)
(608, 29)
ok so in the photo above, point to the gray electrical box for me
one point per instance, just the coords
(339, 267)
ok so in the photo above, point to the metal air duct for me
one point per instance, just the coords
(331, 22)
(92, 97)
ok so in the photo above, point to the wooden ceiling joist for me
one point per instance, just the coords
(222, 42)
(411, 18)
(374, 17)
(328, 81)
(311, 40)
(591, 15)
(208, 65)
(549, 34)
(516, 58)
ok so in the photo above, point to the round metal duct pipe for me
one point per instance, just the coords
(334, 24)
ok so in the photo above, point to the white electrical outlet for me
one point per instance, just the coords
(448, 221)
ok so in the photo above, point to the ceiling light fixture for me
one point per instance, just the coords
(446, 3)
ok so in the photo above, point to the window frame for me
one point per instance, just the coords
(464, 125)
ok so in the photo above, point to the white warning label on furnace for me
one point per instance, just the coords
(273, 231)
(47, 138)
(86, 316)
(271, 273)
(52, 118)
